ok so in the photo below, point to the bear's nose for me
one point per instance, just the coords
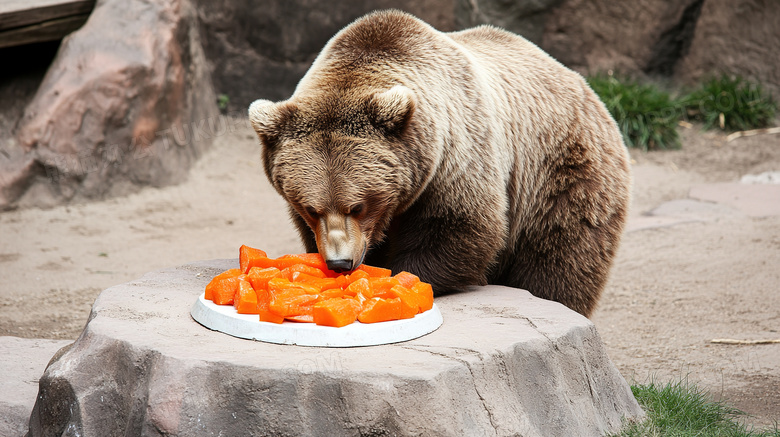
(339, 265)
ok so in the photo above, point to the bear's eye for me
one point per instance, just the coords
(312, 212)
(357, 209)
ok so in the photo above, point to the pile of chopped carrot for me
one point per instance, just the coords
(300, 288)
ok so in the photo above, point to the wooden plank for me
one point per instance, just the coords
(47, 31)
(21, 13)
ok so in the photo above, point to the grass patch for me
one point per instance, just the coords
(223, 100)
(646, 115)
(681, 409)
(731, 103)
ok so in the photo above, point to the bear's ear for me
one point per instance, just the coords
(391, 110)
(268, 119)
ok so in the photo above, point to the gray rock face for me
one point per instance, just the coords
(736, 37)
(634, 37)
(101, 121)
(684, 40)
(525, 18)
(262, 49)
(503, 363)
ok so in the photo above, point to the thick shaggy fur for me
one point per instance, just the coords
(467, 158)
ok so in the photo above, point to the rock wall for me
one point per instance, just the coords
(737, 37)
(629, 36)
(682, 40)
(261, 49)
(526, 18)
(103, 118)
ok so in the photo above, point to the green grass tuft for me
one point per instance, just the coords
(681, 409)
(223, 100)
(646, 115)
(731, 103)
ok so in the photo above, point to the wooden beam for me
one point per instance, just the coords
(28, 21)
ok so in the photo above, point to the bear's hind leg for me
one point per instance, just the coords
(570, 268)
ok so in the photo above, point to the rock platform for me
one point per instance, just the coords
(502, 363)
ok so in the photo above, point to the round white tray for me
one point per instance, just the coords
(224, 318)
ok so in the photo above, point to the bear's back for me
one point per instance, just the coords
(525, 72)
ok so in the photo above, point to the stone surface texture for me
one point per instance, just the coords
(503, 363)
(593, 36)
(23, 362)
(680, 39)
(100, 122)
(262, 49)
(526, 18)
(736, 37)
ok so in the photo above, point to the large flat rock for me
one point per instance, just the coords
(502, 363)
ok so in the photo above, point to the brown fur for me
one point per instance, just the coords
(466, 158)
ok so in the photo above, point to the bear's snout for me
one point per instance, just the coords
(339, 265)
(340, 242)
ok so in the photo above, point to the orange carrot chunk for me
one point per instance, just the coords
(263, 301)
(342, 281)
(310, 259)
(380, 287)
(407, 279)
(375, 272)
(355, 275)
(225, 290)
(263, 263)
(336, 312)
(407, 311)
(259, 277)
(224, 275)
(409, 297)
(321, 283)
(268, 316)
(292, 302)
(289, 272)
(309, 270)
(334, 293)
(245, 300)
(361, 286)
(425, 293)
(380, 310)
(280, 284)
(246, 254)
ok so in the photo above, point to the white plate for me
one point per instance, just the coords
(224, 318)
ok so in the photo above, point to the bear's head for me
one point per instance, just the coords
(340, 160)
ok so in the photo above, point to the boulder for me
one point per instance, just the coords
(262, 49)
(685, 40)
(502, 363)
(735, 37)
(641, 36)
(103, 119)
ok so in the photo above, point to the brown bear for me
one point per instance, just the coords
(467, 158)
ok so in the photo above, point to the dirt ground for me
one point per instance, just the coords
(684, 275)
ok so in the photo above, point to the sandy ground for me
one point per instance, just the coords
(686, 274)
